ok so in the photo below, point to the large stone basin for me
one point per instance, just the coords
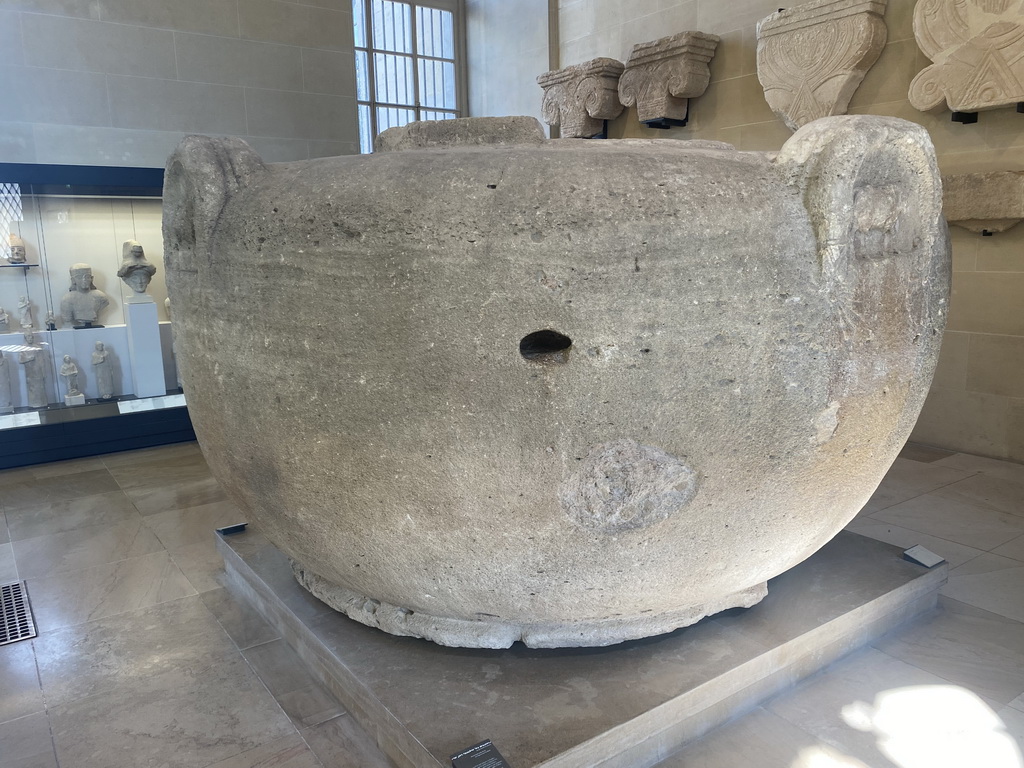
(486, 387)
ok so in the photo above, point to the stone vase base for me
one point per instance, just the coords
(486, 633)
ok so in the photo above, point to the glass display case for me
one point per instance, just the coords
(86, 358)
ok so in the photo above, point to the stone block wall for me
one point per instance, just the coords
(119, 82)
(977, 400)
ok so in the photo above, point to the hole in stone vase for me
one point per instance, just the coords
(545, 346)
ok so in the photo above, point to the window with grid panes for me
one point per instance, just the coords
(407, 64)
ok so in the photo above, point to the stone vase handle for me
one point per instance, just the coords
(201, 176)
(871, 186)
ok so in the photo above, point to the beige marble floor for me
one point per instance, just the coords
(946, 691)
(144, 659)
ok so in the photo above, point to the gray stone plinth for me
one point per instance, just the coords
(625, 705)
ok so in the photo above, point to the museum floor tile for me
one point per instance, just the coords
(144, 659)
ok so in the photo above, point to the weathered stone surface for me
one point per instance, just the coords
(461, 132)
(977, 47)
(663, 75)
(984, 202)
(578, 99)
(812, 58)
(569, 392)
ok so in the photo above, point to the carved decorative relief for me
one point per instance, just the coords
(663, 75)
(580, 98)
(811, 59)
(984, 202)
(977, 47)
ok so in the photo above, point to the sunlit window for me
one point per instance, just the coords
(407, 57)
(10, 207)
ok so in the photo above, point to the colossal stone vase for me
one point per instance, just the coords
(493, 388)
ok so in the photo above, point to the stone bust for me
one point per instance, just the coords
(17, 255)
(82, 304)
(135, 271)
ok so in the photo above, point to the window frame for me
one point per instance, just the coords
(457, 9)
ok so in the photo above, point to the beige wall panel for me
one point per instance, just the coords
(1015, 430)
(996, 365)
(37, 95)
(763, 137)
(988, 302)
(328, 71)
(171, 105)
(899, 20)
(334, 5)
(301, 115)
(83, 9)
(718, 16)
(1003, 252)
(80, 145)
(333, 148)
(889, 79)
(951, 372)
(971, 422)
(502, 65)
(17, 144)
(227, 61)
(10, 38)
(215, 17)
(731, 56)
(303, 25)
(999, 159)
(95, 46)
(279, 150)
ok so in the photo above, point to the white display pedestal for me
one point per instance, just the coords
(78, 399)
(144, 350)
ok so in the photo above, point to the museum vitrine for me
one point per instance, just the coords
(85, 337)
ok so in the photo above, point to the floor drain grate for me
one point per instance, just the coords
(15, 614)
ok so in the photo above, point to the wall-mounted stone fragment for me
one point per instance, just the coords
(578, 99)
(977, 47)
(812, 58)
(984, 202)
(663, 75)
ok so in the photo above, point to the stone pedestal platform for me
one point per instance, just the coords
(625, 705)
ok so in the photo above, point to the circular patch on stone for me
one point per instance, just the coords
(624, 485)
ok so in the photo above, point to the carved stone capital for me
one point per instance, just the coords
(978, 50)
(580, 98)
(984, 202)
(811, 59)
(662, 75)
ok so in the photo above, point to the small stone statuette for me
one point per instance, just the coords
(50, 322)
(25, 310)
(82, 304)
(103, 370)
(35, 372)
(69, 372)
(6, 404)
(17, 250)
(135, 271)
(5, 321)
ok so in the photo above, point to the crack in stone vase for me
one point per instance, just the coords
(484, 387)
